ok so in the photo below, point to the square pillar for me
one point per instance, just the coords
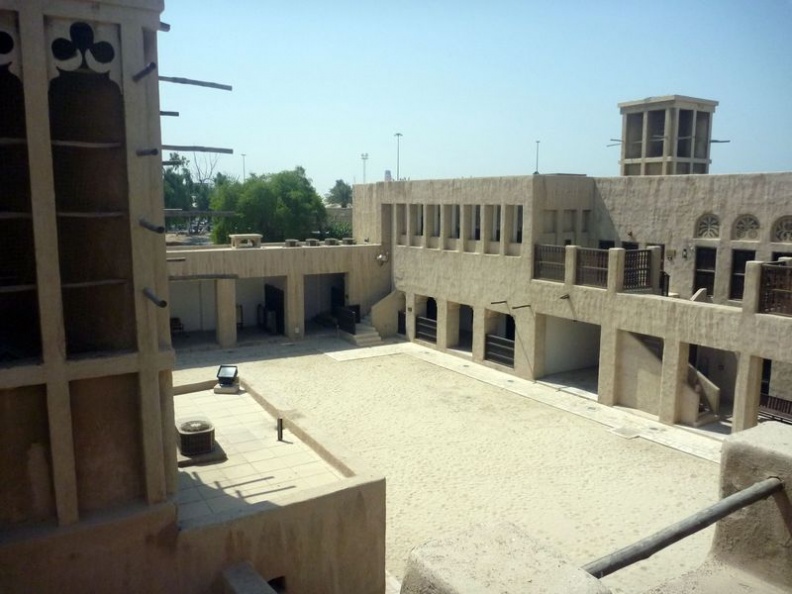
(672, 378)
(529, 341)
(506, 228)
(570, 266)
(608, 357)
(616, 270)
(447, 324)
(485, 322)
(445, 226)
(416, 306)
(427, 224)
(752, 287)
(746, 392)
(655, 265)
(225, 304)
(464, 227)
(295, 306)
(485, 229)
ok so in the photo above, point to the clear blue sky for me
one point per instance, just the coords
(471, 85)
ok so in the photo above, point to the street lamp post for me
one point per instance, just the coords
(243, 167)
(364, 158)
(536, 172)
(398, 136)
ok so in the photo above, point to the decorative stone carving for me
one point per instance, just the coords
(708, 226)
(9, 44)
(782, 231)
(746, 227)
(83, 47)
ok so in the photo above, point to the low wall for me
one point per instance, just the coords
(328, 539)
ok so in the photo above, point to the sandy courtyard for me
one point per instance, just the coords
(458, 451)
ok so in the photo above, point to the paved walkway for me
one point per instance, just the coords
(259, 471)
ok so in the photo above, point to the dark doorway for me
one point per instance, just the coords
(431, 308)
(274, 302)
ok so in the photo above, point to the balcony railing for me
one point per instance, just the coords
(549, 262)
(592, 268)
(637, 270)
(776, 290)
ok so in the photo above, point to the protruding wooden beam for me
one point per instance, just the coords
(150, 67)
(197, 83)
(197, 149)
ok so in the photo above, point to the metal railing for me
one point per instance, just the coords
(592, 268)
(426, 329)
(775, 408)
(549, 262)
(776, 289)
(499, 350)
(637, 270)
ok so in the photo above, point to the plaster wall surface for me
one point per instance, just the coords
(249, 294)
(638, 375)
(325, 540)
(194, 303)
(665, 209)
(366, 282)
(569, 345)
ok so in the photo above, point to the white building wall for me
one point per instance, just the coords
(193, 302)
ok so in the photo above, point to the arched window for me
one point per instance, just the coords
(782, 230)
(708, 226)
(746, 227)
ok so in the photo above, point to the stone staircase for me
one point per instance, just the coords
(365, 334)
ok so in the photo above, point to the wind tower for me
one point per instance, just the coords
(669, 135)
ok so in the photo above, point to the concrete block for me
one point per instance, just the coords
(758, 539)
(501, 558)
(243, 579)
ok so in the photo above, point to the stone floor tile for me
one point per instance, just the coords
(196, 509)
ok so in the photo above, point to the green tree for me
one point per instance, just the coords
(177, 183)
(279, 206)
(338, 229)
(340, 194)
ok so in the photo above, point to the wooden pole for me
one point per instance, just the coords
(643, 549)
(197, 149)
(197, 83)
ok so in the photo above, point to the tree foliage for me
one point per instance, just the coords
(340, 194)
(188, 186)
(279, 206)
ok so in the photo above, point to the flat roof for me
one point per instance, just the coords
(668, 99)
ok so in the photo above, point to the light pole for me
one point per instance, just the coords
(536, 172)
(364, 158)
(243, 167)
(398, 136)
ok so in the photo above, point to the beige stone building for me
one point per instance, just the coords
(88, 456)
(649, 289)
